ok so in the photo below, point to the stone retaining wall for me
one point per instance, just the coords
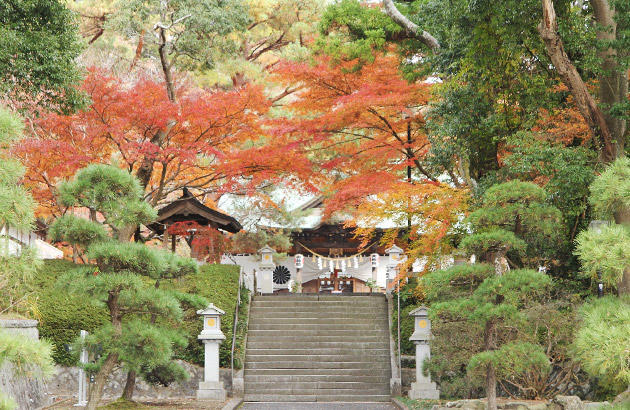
(29, 394)
(558, 403)
(65, 384)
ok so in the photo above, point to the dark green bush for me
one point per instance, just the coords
(62, 316)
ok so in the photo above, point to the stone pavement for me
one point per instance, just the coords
(318, 406)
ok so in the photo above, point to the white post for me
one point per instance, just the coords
(211, 336)
(82, 396)
(423, 388)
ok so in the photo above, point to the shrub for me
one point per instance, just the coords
(62, 316)
(219, 285)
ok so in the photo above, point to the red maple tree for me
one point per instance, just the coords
(199, 134)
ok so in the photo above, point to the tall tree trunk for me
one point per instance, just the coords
(130, 385)
(96, 392)
(567, 71)
(491, 377)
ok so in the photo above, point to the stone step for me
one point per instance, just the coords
(347, 303)
(272, 313)
(320, 297)
(339, 372)
(298, 364)
(321, 345)
(333, 351)
(314, 331)
(324, 321)
(314, 378)
(322, 336)
(338, 301)
(283, 326)
(361, 398)
(306, 388)
(254, 358)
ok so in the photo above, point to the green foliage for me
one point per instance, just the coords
(29, 358)
(197, 31)
(515, 217)
(605, 252)
(470, 299)
(351, 30)
(611, 190)
(6, 402)
(497, 297)
(494, 241)
(602, 340)
(113, 192)
(513, 359)
(77, 231)
(16, 204)
(217, 284)
(63, 314)
(406, 329)
(567, 171)
(16, 212)
(39, 42)
(15, 273)
(458, 281)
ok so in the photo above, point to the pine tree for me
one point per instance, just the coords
(602, 339)
(512, 222)
(133, 338)
(30, 357)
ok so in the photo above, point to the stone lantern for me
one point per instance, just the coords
(211, 336)
(265, 278)
(423, 387)
(395, 257)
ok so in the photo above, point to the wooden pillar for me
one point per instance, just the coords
(173, 242)
(165, 237)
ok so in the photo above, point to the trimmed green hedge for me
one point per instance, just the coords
(219, 285)
(62, 316)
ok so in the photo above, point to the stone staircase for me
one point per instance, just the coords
(325, 348)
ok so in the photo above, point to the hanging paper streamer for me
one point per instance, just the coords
(320, 263)
(356, 262)
(337, 267)
(331, 265)
(343, 265)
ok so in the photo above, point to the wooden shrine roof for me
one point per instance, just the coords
(188, 208)
(331, 237)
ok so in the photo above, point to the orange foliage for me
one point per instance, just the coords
(120, 126)
(358, 128)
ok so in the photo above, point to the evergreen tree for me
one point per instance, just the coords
(134, 338)
(30, 357)
(602, 339)
(513, 222)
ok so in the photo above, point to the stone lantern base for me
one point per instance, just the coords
(211, 391)
(424, 390)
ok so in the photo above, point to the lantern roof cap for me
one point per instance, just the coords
(211, 310)
(394, 249)
(266, 248)
(420, 311)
